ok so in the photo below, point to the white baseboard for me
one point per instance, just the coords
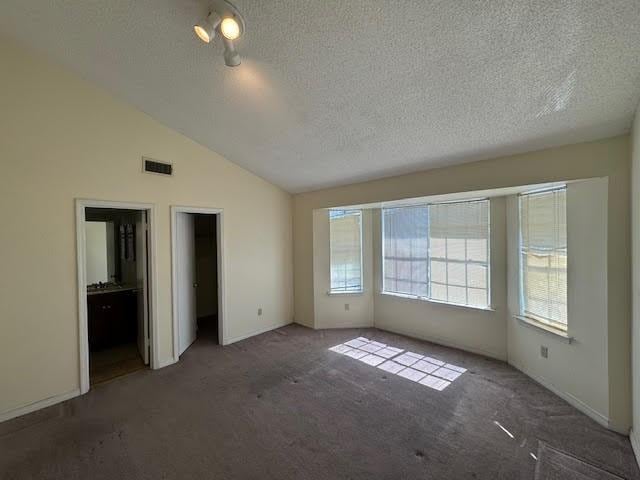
(635, 444)
(442, 342)
(573, 401)
(343, 327)
(256, 332)
(166, 363)
(32, 407)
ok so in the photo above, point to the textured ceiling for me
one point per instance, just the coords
(332, 92)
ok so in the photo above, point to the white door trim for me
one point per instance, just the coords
(175, 210)
(83, 330)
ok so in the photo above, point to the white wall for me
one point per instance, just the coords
(475, 330)
(577, 371)
(635, 237)
(61, 139)
(330, 310)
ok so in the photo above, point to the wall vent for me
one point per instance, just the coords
(150, 165)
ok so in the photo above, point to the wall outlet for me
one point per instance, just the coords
(259, 311)
(544, 351)
(346, 306)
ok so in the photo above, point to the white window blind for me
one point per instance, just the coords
(438, 251)
(543, 256)
(405, 250)
(459, 252)
(345, 232)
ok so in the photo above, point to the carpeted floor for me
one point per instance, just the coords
(282, 406)
(554, 464)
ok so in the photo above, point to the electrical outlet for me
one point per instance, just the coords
(544, 351)
(259, 311)
(346, 306)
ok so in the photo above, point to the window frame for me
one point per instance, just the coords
(360, 215)
(429, 298)
(547, 324)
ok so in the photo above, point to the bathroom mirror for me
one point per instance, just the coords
(100, 252)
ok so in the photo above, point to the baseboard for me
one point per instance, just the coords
(166, 363)
(571, 399)
(342, 327)
(635, 445)
(445, 343)
(32, 407)
(256, 332)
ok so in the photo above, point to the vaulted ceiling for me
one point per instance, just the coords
(331, 92)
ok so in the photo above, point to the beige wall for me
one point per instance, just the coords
(635, 223)
(475, 330)
(62, 138)
(604, 158)
(330, 310)
(576, 371)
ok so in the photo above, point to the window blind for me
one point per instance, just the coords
(345, 243)
(459, 252)
(405, 250)
(543, 256)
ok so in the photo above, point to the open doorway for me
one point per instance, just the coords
(196, 254)
(116, 301)
(117, 291)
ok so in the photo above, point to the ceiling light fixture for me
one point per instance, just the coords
(230, 28)
(206, 30)
(225, 19)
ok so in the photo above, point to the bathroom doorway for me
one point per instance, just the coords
(114, 278)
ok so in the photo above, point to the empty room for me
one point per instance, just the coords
(286, 239)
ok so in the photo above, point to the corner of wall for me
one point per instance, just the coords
(635, 444)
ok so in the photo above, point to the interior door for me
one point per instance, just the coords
(142, 278)
(186, 276)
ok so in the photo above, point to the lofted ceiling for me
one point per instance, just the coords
(331, 92)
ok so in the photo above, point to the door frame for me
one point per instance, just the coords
(83, 328)
(219, 213)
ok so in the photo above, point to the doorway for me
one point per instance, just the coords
(115, 271)
(117, 306)
(197, 286)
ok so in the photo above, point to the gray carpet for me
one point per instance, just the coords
(281, 406)
(554, 464)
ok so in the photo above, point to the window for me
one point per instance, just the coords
(345, 241)
(439, 252)
(543, 256)
(459, 252)
(405, 250)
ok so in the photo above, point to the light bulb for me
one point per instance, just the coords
(230, 28)
(202, 33)
(206, 30)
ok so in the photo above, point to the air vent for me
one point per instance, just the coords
(153, 166)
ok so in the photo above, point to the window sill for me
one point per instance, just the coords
(530, 322)
(437, 302)
(356, 293)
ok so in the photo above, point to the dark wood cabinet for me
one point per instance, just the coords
(112, 319)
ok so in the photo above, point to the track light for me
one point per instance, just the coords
(206, 30)
(229, 28)
(225, 19)
(231, 56)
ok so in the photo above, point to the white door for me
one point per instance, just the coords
(186, 276)
(142, 278)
